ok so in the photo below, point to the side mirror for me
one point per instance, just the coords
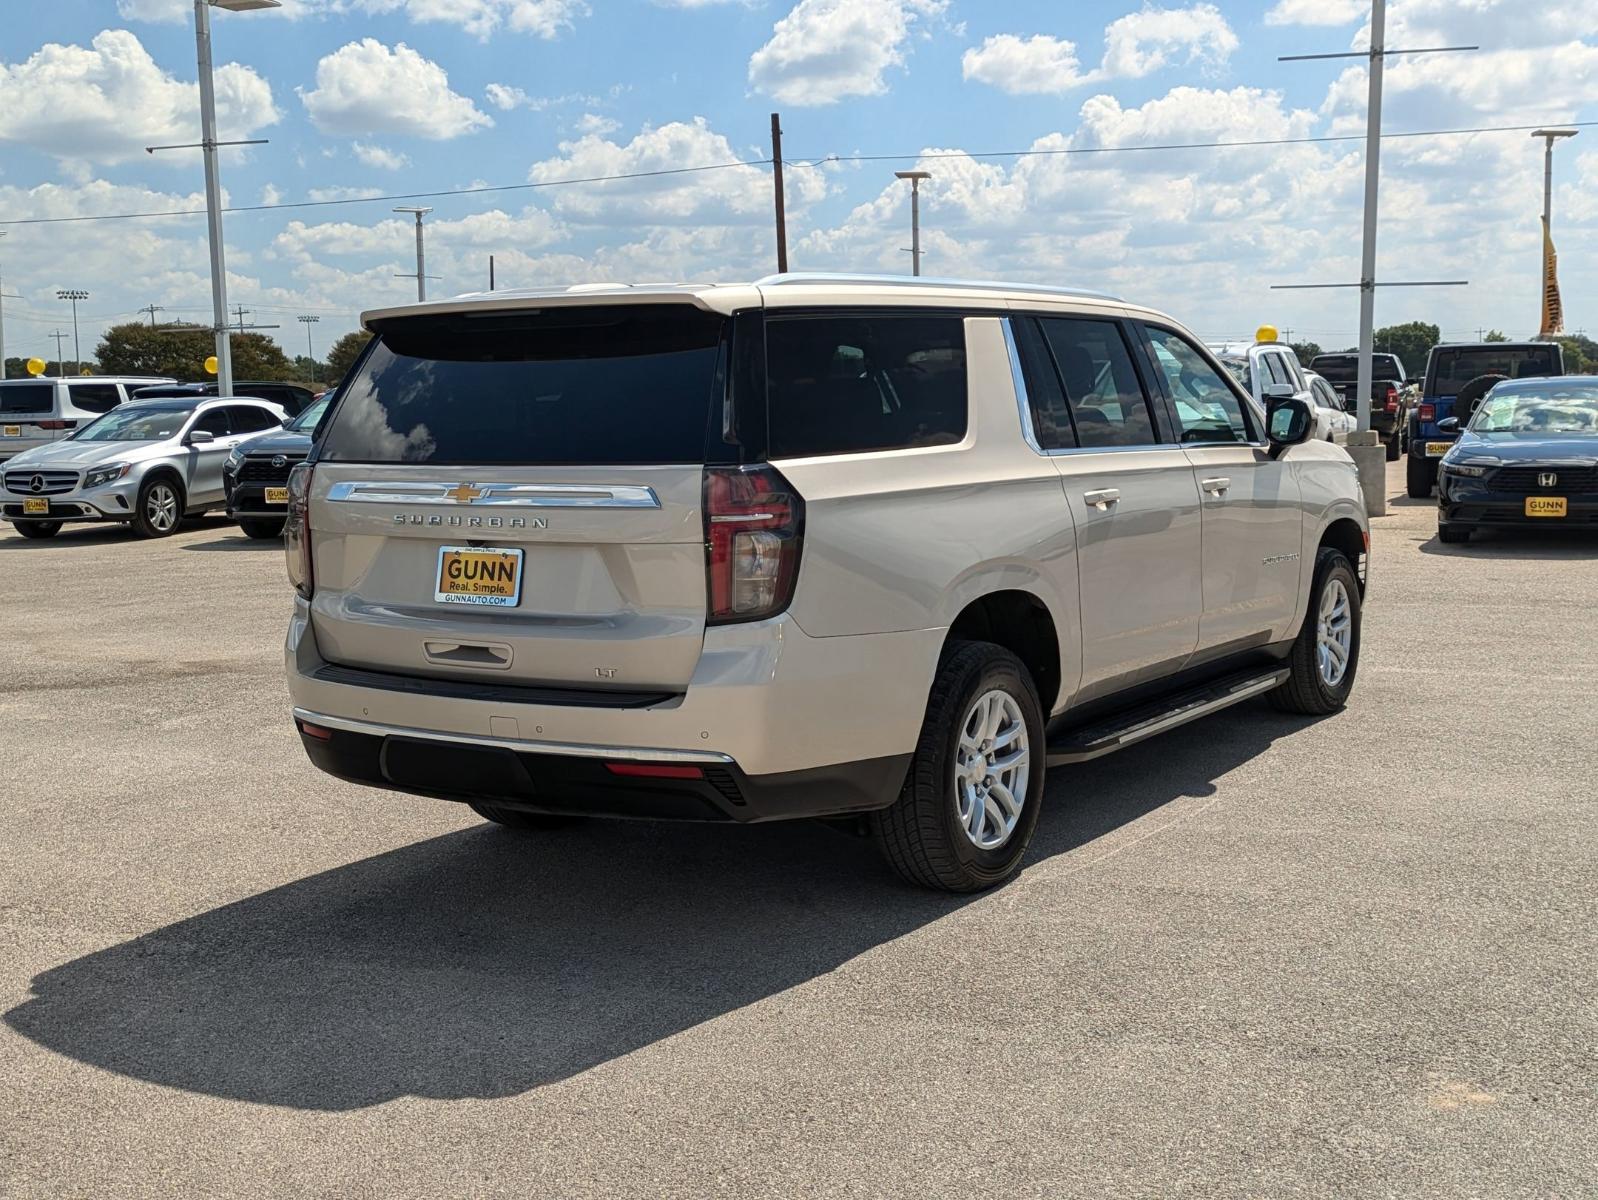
(199, 437)
(1287, 423)
(1279, 391)
(1449, 425)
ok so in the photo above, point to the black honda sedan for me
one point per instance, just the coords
(1529, 457)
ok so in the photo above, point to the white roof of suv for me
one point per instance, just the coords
(795, 289)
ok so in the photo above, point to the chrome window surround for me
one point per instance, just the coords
(496, 495)
(1024, 403)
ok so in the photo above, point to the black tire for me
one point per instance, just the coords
(1306, 690)
(512, 818)
(262, 527)
(1419, 477)
(1393, 446)
(159, 511)
(921, 835)
(1452, 535)
(37, 529)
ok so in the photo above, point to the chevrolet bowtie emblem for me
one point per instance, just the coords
(464, 493)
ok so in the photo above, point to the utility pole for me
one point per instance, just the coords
(152, 309)
(2, 324)
(307, 320)
(776, 183)
(421, 257)
(60, 336)
(74, 295)
(1376, 57)
(915, 178)
(241, 311)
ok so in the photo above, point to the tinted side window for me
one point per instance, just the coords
(94, 397)
(1206, 409)
(1095, 365)
(1274, 369)
(212, 421)
(27, 397)
(248, 419)
(1051, 416)
(852, 384)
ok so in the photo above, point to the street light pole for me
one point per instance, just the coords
(74, 295)
(308, 321)
(421, 257)
(1549, 137)
(915, 178)
(2, 323)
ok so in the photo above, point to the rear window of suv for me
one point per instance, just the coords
(559, 386)
(26, 396)
(1344, 368)
(1453, 369)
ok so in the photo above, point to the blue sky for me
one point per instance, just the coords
(389, 96)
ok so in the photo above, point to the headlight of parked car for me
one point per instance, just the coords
(109, 473)
(235, 459)
(1465, 470)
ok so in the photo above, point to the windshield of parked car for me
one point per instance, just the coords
(1456, 368)
(306, 421)
(1564, 410)
(135, 425)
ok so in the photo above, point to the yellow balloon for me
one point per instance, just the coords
(36, 366)
(210, 365)
(1266, 333)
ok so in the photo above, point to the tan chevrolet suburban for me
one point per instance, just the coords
(818, 546)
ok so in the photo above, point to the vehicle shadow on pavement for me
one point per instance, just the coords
(481, 964)
(238, 542)
(1537, 544)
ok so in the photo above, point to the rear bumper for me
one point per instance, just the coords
(765, 698)
(509, 776)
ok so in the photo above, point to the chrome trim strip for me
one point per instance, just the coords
(570, 749)
(1022, 399)
(496, 495)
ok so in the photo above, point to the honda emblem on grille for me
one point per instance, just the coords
(36, 484)
(1547, 479)
(279, 461)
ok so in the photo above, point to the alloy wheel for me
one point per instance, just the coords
(161, 507)
(1334, 639)
(991, 769)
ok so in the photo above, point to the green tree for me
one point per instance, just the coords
(1412, 342)
(256, 356)
(308, 370)
(179, 350)
(1306, 351)
(1495, 335)
(343, 354)
(1581, 354)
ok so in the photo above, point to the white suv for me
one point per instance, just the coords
(38, 411)
(817, 546)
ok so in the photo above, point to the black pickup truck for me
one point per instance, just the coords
(1387, 384)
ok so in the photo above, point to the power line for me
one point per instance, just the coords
(766, 162)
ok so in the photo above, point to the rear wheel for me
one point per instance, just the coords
(1452, 534)
(512, 818)
(971, 798)
(160, 508)
(38, 529)
(1325, 656)
(1418, 477)
(261, 527)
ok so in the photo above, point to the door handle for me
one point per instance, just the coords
(1215, 487)
(1103, 498)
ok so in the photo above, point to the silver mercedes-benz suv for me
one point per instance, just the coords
(817, 546)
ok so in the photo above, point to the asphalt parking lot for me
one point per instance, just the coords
(1260, 956)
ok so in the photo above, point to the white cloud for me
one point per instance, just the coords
(594, 123)
(380, 157)
(1317, 12)
(826, 50)
(105, 103)
(737, 193)
(1135, 45)
(365, 88)
(344, 193)
(482, 18)
(505, 97)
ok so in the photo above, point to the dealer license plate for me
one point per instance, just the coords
(1546, 506)
(33, 507)
(474, 575)
(1438, 449)
(12, 431)
(277, 495)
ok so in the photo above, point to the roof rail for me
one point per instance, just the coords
(924, 281)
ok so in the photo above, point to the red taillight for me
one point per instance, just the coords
(754, 527)
(55, 425)
(297, 531)
(1392, 399)
(316, 731)
(1428, 412)
(652, 771)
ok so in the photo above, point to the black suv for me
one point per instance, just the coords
(255, 478)
(291, 396)
(1387, 385)
(1458, 375)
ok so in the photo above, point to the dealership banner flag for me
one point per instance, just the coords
(1553, 310)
